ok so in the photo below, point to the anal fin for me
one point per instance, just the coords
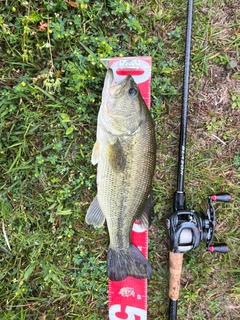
(94, 214)
(147, 215)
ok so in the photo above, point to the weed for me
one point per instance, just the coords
(235, 100)
(236, 161)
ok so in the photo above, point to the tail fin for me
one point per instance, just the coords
(124, 263)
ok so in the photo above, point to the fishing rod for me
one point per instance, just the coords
(187, 228)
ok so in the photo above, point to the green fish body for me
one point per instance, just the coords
(125, 152)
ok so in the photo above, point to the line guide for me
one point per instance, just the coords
(127, 299)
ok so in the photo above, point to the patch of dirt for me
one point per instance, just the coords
(211, 116)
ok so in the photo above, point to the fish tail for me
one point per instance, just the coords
(124, 263)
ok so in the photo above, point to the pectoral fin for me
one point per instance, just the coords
(116, 156)
(147, 215)
(94, 215)
(95, 153)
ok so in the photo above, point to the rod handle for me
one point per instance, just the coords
(175, 269)
(221, 197)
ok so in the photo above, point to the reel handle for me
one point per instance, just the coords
(222, 248)
(221, 197)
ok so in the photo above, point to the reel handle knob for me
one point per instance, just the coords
(221, 197)
(222, 248)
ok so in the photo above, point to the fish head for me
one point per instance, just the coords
(122, 105)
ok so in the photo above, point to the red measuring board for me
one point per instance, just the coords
(128, 298)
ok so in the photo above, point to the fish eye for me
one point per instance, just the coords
(132, 91)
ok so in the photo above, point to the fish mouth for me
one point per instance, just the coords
(111, 90)
(108, 82)
(114, 88)
(109, 79)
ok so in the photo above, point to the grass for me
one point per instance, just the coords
(51, 79)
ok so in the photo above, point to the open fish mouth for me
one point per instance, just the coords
(115, 88)
(109, 78)
(111, 112)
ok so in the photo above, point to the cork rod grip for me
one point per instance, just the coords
(175, 269)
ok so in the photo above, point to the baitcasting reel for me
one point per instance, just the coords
(187, 228)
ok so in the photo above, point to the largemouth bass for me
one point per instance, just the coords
(125, 151)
